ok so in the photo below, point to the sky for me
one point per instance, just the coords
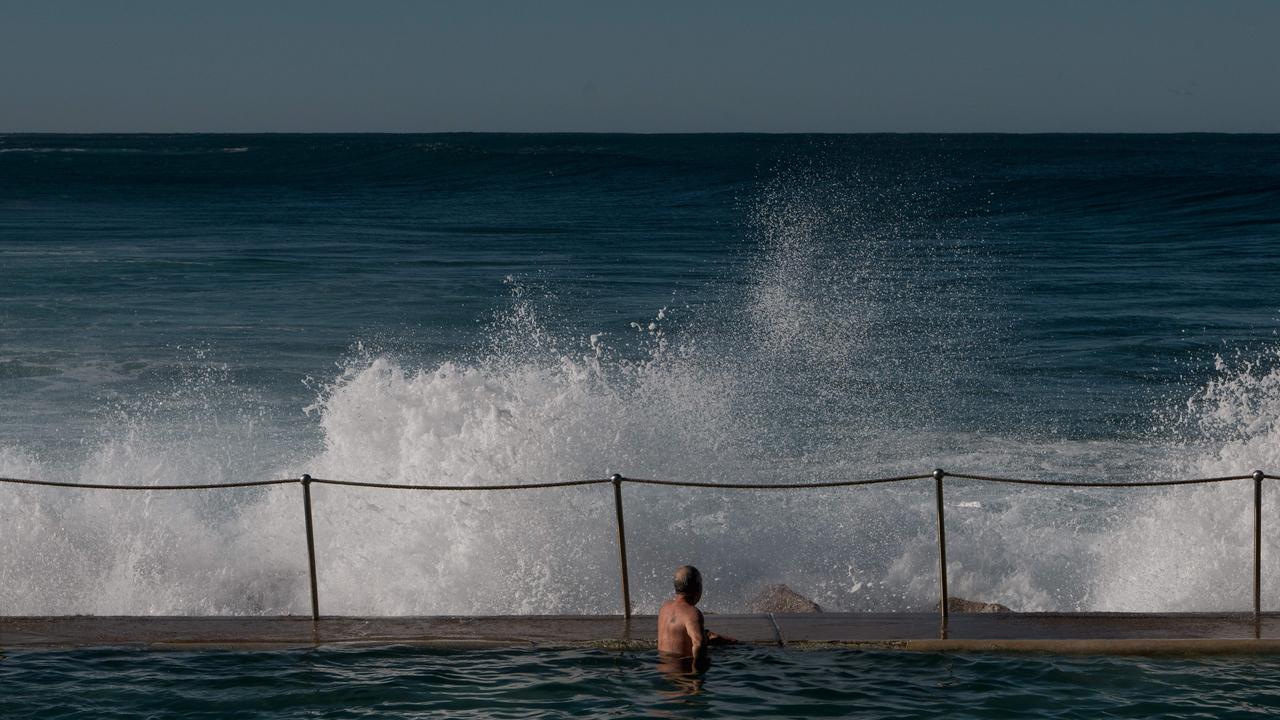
(653, 66)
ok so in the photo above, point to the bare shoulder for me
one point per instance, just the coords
(678, 612)
(691, 617)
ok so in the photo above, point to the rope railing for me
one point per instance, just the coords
(515, 486)
(776, 486)
(1101, 483)
(647, 481)
(102, 486)
(617, 481)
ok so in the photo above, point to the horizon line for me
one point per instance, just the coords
(11, 133)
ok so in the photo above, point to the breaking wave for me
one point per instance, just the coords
(827, 365)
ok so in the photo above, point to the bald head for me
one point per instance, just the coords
(688, 582)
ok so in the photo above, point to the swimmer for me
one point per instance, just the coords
(681, 632)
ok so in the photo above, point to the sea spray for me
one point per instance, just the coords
(1192, 548)
(538, 415)
(790, 399)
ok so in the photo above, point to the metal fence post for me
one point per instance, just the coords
(1257, 544)
(942, 548)
(311, 546)
(622, 545)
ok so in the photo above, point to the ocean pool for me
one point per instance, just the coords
(408, 681)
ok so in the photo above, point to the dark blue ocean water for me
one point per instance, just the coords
(496, 308)
(500, 308)
(401, 682)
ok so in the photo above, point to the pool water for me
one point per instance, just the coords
(404, 681)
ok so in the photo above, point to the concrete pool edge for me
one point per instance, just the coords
(1058, 633)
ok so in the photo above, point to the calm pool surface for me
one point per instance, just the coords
(396, 682)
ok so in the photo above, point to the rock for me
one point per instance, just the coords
(960, 605)
(782, 599)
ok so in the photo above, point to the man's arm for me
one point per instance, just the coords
(714, 639)
(697, 639)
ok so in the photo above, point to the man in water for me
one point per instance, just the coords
(681, 633)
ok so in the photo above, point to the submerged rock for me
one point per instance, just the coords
(960, 605)
(782, 599)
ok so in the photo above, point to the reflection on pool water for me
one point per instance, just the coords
(395, 682)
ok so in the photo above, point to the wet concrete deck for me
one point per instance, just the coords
(1092, 633)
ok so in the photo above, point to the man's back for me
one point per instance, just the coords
(680, 630)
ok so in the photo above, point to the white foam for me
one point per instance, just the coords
(549, 417)
(1192, 549)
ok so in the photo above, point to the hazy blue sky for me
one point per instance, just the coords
(639, 66)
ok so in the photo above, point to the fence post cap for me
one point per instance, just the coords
(1258, 475)
(938, 474)
(615, 478)
(305, 479)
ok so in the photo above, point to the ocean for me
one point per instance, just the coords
(487, 309)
